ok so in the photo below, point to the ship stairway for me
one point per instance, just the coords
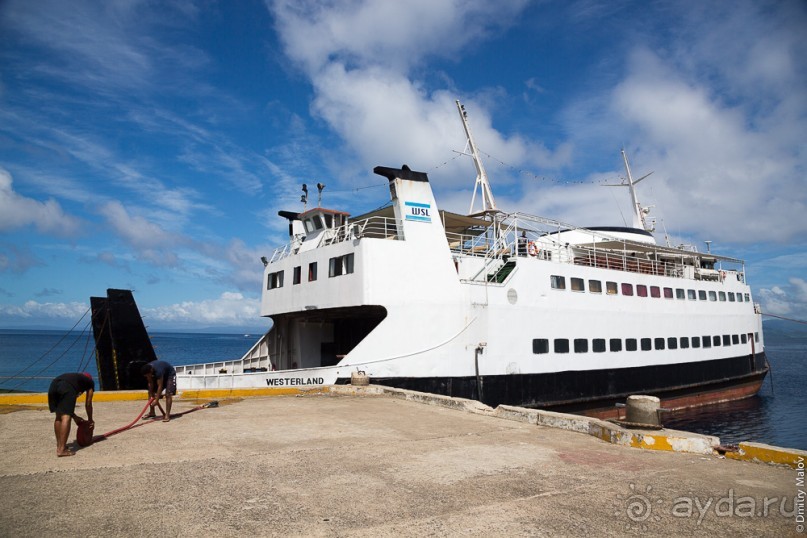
(501, 274)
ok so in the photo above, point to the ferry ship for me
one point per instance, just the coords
(505, 308)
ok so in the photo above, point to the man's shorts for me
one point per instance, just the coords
(170, 384)
(62, 397)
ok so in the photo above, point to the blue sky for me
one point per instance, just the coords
(149, 145)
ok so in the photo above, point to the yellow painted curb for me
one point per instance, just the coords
(769, 454)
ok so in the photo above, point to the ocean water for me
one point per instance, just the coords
(30, 359)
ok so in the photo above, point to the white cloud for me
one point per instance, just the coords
(17, 211)
(230, 308)
(50, 311)
(789, 300)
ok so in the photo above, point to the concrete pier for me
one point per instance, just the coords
(327, 464)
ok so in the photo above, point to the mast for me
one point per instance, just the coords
(488, 203)
(640, 219)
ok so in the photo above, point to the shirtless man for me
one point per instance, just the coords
(62, 396)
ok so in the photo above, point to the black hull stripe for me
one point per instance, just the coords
(589, 389)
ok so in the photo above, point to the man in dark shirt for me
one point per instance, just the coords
(160, 376)
(62, 395)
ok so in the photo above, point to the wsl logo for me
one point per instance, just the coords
(418, 212)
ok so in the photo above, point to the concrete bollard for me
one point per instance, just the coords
(643, 410)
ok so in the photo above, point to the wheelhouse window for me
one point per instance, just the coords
(716, 341)
(598, 345)
(558, 282)
(630, 344)
(691, 295)
(680, 293)
(731, 296)
(312, 271)
(712, 296)
(647, 344)
(561, 345)
(275, 280)
(743, 338)
(580, 345)
(658, 343)
(668, 293)
(707, 341)
(655, 291)
(726, 339)
(696, 341)
(735, 339)
(610, 288)
(297, 275)
(615, 344)
(672, 342)
(684, 342)
(701, 295)
(739, 297)
(540, 346)
(594, 286)
(578, 284)
(722, 296)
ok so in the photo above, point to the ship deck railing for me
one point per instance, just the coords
(371, 228)
(522, 236)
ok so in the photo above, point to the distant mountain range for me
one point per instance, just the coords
(782, 329)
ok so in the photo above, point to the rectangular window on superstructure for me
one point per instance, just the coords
(707, 342)
(721, 295)
(680, 293)
(731, 296)
(577, 284)
(672, 342)
(712, 296)
(691, 295)
(580, 345)
(647, 344)
(540, 346)
(615, 344)
(630, 344)
(756, 337)
(726, 339)
(696, 341)
(275, 280)
(701, 295)
(558, 282)
(655, 291)
(561, 345)
(297, 275)
(658, 343)
(743, 338)
(312, 271)
(598, 345)
(684, 342)
(747, 297)
(610, 288)
(668, 293)
(340, 265)
(739, 297)
(594, 286)
(716, 341)
(627, 289)
(641, 290)
(735, 339)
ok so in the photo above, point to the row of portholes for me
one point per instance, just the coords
(601, 345)
(641, 290)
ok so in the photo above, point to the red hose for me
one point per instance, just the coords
(113, 432)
